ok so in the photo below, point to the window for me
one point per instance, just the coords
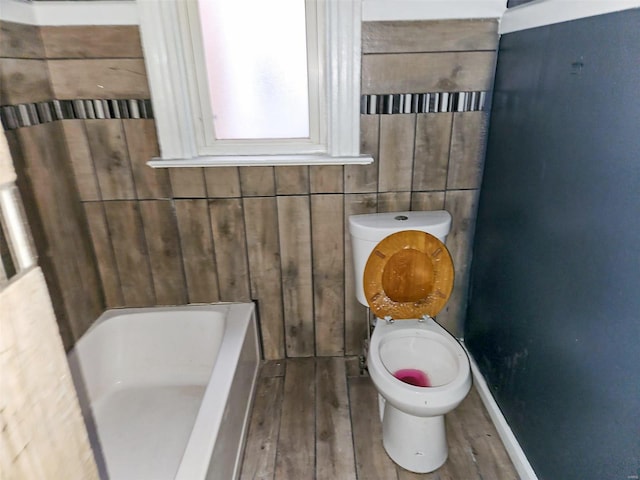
(256, 68)
(289, 93)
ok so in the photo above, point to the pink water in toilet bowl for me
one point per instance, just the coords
(413, 376)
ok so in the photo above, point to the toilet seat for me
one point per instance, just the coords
(408, 275)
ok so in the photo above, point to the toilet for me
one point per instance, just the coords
(404, 274)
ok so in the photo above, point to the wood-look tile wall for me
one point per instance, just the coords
(47, 185)
(276, 235)
(431, 160)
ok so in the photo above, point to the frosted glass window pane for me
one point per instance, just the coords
(256, 58)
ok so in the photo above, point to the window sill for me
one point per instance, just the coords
(259, 161)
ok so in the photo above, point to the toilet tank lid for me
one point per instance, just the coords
(376, 226)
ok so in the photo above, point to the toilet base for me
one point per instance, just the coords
(417, 444)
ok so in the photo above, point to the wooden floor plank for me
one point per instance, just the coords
(407, 475)
(334, 445)
(262, 438)
(295, 459)
(300, 430)
(372, 461)
(272, 368)
(484, 443)
(460, 463)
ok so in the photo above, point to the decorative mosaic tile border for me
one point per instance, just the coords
(30, 114)
(436, 102)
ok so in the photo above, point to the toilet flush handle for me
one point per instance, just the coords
(388, 319)
(424, 318)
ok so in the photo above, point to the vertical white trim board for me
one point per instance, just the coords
(511, 445)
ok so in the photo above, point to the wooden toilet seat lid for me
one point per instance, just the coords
(408, 274)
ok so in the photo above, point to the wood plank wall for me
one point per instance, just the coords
(274, 235)
(44, 163)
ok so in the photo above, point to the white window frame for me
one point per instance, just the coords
(164, 28)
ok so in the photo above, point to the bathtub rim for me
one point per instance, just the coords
(112, 312)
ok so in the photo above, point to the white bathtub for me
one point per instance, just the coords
(166, 392)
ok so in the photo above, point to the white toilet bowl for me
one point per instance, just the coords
(423, 353)
(405, 275)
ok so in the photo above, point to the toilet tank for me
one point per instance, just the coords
(368, 230)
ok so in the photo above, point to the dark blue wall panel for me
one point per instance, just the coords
(554, 312)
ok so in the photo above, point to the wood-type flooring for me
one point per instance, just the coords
(317, 419)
